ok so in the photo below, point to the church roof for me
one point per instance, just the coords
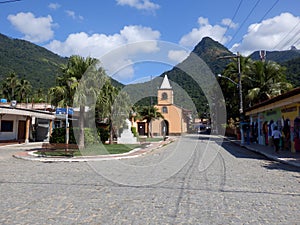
(165, 84)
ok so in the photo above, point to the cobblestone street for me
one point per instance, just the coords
(205, 182)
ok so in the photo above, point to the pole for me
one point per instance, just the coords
(67, 127)
(241, 99)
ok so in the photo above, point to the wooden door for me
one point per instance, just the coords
(21, 130)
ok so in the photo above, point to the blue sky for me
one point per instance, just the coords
(98, 28)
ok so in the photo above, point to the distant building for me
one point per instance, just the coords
(176, 119)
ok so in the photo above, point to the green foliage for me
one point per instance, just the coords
(29, 61)
(104, 134)
(134, 131)
(59, 136)
(293, 71)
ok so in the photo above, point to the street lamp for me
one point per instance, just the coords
(220, 75)
(238, 57)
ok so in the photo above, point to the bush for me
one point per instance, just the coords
(133, 130)
(104, 134)
(59, 136)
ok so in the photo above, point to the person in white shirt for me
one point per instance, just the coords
(276, 135)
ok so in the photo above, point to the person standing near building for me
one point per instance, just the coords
(276, 135)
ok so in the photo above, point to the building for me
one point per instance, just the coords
(176, 119)
(282, 111)
(24, 124)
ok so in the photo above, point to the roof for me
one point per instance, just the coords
(26, 112)
(278, 98)
(165, 84)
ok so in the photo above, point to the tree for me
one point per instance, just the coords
(149, 113)
(67, 84)
(23, 89)
(9, 86)
(266, 79)
(113, 106)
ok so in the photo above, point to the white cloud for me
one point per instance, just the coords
(177, 55)
(229, 23)
(97, 45)
(139, 4)
(54, 6)
(277, 33)
(205, 29)
(73, 15)
(35, 29)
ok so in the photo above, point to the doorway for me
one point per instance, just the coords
(21, 130)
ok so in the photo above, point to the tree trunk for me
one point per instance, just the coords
(81, 127)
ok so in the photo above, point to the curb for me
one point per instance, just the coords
(271, 157)
(29, 155)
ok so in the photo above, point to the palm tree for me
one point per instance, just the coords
(265, 80)
(149, 113)
(113, 106)
(9, 86)
(23, 89)
(64, 93)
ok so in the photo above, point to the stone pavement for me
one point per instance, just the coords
(283, 156)
(286, 157)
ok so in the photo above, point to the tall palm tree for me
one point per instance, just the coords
(23, 89)
(67, 84)
(149, 113)
(114, 106)
(9, 86)
(266, 79)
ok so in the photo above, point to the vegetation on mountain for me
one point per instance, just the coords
(277, 56)
(293, 71)
(29, 61)
(14, 88)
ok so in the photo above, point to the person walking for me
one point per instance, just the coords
(276, 135)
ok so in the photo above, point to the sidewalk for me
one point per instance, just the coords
(282, 156)
(29, 154)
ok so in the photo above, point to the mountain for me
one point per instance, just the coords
(210, 51)
(278, 56)
(293, 71)
(187, 92)
(29, 61)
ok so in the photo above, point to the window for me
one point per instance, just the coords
(7, 126)
(164, 109)
(164, 96)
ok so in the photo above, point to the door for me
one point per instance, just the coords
(21, 130)
(141, 128)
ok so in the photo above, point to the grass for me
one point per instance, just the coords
(100, 149)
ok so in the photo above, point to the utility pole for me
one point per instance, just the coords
(241, 110)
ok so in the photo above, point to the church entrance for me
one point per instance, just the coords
(165, 128)
(141, 128)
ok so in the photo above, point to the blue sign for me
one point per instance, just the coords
(64, 111)
(3, 100)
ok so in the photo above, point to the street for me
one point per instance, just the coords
(191, 181)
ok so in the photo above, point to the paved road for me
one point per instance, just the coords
(191, 181)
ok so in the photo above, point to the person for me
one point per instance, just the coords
(276, 135)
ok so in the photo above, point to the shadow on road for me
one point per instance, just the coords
(272, 165)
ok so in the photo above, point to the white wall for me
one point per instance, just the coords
(11, 135)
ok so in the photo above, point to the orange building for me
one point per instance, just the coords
(176, 119)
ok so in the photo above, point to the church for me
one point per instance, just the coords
(176, 119)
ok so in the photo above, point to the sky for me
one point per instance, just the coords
(138, 39)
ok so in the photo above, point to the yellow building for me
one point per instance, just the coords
(284, 111)
(176, 119)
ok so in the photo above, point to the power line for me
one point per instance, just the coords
(233, 17)
(247, 17)
(9, 1)
(287, 36)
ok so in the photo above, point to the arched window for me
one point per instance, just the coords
(164, 96)
(164, 109)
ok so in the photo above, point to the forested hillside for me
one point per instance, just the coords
(29, 61)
